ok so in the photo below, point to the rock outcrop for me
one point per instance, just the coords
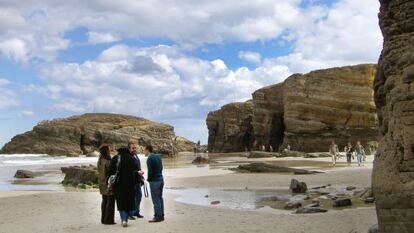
(84, 134)
(80, 176)
(330, 104)
(393, 176)
(306, 112)
(230, 128)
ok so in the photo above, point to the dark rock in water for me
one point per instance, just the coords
(350, 188)
(293, 204)
(369, 200)
(342, 202)
(298, 187)
(215, 202)
(84, 134)
(201, 160)
(24, 174)
(373, 229)
(75, 175)
(310, 210)
(262, 154)
(293, 154)
(313, 205)
(268, 168)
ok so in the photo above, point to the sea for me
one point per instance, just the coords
(48, 165)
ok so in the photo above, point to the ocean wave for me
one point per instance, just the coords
(22, 155)
(45, 160)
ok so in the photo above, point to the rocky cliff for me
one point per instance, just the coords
(330, 104)
(230, 128)
(83, 134)
(393, 176)
(306, 111)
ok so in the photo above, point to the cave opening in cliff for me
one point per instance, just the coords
(277, 131)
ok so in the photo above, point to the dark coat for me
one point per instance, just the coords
(103, 171)
(124, 190)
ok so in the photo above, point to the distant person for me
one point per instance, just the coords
(270, 148)
(124, 189)
(360, 152)
(348, 152)
(139, 182)
(156, 180)
(333, 150)
(263, 148)
(108, 199)
(288, 148)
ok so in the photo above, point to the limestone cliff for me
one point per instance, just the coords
(393, 177)
(83, 134)
(306, 111)
(230, 128)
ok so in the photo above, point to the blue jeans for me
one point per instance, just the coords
(124, 215)
(138, 198)
(359, 158)
(157, 200)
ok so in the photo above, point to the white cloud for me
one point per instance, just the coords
(249, 56)
(158, 82)
(14, 49)
(26, 113)
(99, 38)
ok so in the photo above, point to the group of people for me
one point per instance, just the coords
(127, 190)
(349, 150)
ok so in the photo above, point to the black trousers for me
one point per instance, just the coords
(108, 209)
(348, 158)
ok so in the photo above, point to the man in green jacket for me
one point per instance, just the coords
(156, 180)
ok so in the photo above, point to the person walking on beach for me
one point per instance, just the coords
(348, 152)
(139, 182)
(360, 151)
(108, 199)
(124, 189)
(333, 150)
(156, 180)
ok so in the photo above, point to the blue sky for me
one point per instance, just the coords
(167, 61)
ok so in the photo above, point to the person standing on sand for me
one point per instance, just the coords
(360, 151)
(124, 189)
(156, 180)
(348, 152)
(108, 199)
(333, 150)
(139, 182)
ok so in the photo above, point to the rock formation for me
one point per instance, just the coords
(393, 177)
(306, 112)
(330, 104)
(80, 176)
(84, 134)
(230, 128)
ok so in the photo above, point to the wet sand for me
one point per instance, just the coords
(80, 211)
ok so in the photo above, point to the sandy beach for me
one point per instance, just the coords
(79, 211)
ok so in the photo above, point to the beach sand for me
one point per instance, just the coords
(80, 211)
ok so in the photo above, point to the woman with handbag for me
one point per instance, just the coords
(122, 174)
(108, 199)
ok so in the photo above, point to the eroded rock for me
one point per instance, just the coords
(298, 187)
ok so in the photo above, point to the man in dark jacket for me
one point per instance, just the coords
(139, 181)
(125, 187)
(156, 180)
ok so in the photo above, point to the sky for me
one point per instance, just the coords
(168, 61)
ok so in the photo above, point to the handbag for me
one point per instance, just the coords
(114, 179)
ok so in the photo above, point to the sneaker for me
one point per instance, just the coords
(131, 218)
(155, 220)
(139, 216)
(124, 224)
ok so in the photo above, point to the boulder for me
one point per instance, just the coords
(262, 154)
(342, 202)
(215, 202)
(298, 187)
(293, 205)
(75, 175)
(310, 210)
(350, 188)
(373, 229)
(24, 174)
(201, 160)
(84, 134)
(230, 128)
(182, 144)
